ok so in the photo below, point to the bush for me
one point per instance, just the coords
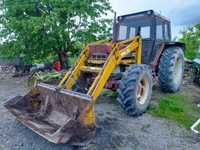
(191, 37)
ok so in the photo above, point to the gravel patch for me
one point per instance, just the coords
(115, 130)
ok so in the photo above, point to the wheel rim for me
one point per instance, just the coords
(178, 70)
(143, 90)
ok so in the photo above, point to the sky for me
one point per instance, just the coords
(182, 13)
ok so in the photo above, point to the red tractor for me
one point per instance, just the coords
(141, 50)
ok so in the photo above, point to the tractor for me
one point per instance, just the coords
(140, 53)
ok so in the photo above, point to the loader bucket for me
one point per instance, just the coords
(54, 114)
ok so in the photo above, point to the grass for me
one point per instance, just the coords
(176, 107)
(190, 54)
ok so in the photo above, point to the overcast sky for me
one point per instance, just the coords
(182, 13)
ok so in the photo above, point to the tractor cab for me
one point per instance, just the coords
(151, 26)
(154, 29)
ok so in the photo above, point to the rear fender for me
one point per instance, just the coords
(164, 45)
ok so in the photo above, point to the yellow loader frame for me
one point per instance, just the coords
(114, 59)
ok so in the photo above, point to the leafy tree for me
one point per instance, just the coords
(191, 37)
(41, 29)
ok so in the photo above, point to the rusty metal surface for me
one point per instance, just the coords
(53, 114)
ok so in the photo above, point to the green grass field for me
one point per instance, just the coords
(176, 107)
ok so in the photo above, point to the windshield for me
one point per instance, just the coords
(129, 28)
(126, 32)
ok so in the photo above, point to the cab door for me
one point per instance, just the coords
(162, 35)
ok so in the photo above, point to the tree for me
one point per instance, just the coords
(191, 37)
(39, 29)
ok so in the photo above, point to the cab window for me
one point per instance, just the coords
(166, 32)
(132, 32)
(145, 32)
(122, 32)
(159, 32)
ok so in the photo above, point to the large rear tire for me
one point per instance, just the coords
(171, 69)
(135, 89)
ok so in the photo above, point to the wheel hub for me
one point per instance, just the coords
(178, 69)
(142, 90)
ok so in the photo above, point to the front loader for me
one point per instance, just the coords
(128, 64)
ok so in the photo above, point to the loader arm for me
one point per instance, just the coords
(114, 59)
(112, 62)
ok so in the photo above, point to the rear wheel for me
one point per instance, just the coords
(135, 89)
(171, 69)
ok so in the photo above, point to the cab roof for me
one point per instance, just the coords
(143, 14)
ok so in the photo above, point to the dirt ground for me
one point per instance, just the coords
(115, 130)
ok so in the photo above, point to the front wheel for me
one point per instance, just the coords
(135, 89)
